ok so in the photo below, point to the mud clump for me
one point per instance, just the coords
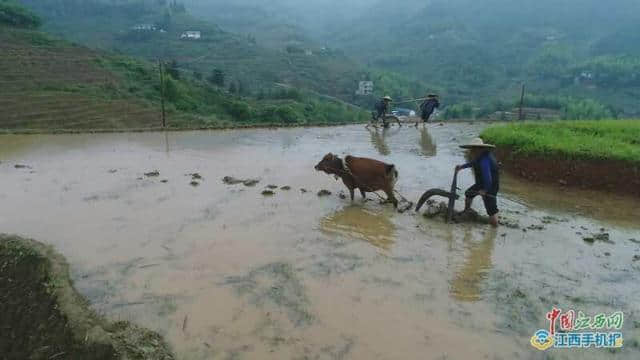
(272, 187)
(509, 223)
(250, 182)
(303, 190)
(440, 209)
(286, 188)
(268, 193)
(601, 237)
(194, 183)
(323, 193)
(535, 227)
(230, 180)
(45, 318)
(21, 166)
(154, 173)
(552, 219)
(196, 176)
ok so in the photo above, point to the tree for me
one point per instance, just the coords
(217, 77)
(172, 70)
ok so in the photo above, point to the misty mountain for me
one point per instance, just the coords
(472, 49)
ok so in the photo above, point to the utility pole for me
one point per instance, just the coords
(521, 116)
(164, 121)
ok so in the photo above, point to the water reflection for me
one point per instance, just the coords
(467, 282)
(427, 145)
(362, 224)
(378, 139)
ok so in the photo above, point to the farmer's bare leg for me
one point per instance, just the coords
(468, 201)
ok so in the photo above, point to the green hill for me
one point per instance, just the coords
(49, 84)
(251, 64)
(476, 53)
(479, 50)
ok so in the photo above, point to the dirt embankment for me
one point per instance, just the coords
(43, 317)
(614, 176)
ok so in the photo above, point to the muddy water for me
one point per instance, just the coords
(226, 273)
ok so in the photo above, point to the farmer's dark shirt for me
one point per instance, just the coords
(486, 172)
(381, 107)
(428, 106)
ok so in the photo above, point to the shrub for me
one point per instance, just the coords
(15, 15)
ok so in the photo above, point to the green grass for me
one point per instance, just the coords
(617, 140)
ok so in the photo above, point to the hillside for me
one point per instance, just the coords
(478, 50)
(475, 52)
(50, 84)
(251, 63)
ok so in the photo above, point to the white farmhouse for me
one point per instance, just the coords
(144, 27)
(365, 88)
(190, 35)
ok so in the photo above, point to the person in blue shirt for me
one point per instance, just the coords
(487, 177)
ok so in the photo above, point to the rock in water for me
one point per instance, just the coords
(153, 173)
(194, 183)
(286, 188)
(272, 187)
(268, 193)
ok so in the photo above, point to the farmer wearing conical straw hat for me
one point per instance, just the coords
(383, 107)
(487, 177)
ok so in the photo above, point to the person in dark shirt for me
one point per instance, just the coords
(382, 107)
(428, 107)
(487, 178)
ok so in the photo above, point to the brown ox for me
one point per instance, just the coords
(368, 175)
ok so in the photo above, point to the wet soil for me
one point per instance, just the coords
(223, 272)
(610, 176)
(44, 318)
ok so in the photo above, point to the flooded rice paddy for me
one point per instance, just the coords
(227, 273)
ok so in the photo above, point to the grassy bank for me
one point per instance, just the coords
(595, 155)
(616, 140)
(44, 318)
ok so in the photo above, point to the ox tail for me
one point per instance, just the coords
(392, 172)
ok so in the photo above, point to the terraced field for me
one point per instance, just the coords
(50, 84)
